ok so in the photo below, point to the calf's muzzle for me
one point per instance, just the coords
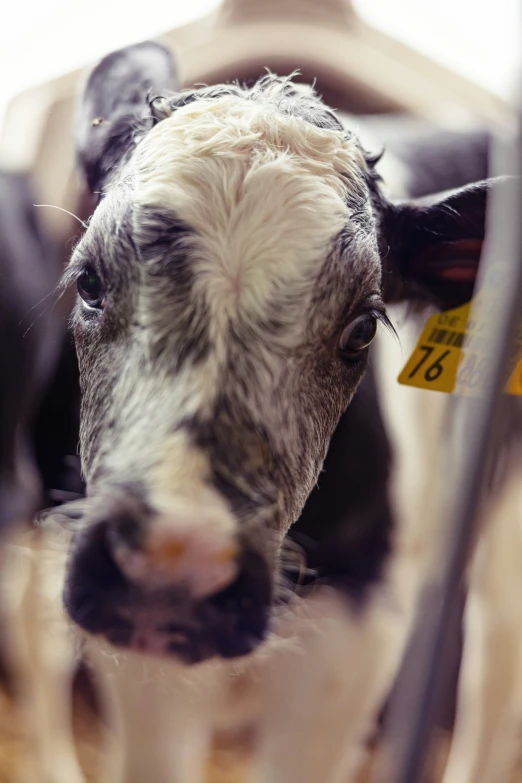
(182, 584)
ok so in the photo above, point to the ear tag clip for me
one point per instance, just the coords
(441, 362)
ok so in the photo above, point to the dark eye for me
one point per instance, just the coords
(358, 335)
(90, 288)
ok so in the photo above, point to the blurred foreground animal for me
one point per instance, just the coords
(250, 543)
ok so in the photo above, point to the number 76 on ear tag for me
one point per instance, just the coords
(435, 360)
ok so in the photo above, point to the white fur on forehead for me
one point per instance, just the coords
(233, 126)
(257, 186)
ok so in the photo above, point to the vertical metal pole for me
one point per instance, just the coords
(413, 712)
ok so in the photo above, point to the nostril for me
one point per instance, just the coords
(94, 560)
(92, 579)
(239, 613)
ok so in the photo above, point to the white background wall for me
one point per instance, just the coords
(40, 39)
(480, 38)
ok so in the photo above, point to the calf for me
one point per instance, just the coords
(230, 282)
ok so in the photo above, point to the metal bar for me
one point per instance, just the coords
(413, 712)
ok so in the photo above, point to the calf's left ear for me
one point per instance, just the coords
(431, 247)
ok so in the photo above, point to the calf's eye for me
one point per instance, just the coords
(90, 288)
(357, 336)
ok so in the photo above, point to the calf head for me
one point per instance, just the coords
(230, 283)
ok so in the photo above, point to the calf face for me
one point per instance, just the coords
(230, 284)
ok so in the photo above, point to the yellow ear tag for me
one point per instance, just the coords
(435, 360)
(439, 363)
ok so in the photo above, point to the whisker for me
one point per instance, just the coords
(53, 206)
(51, 293)
(55, 292)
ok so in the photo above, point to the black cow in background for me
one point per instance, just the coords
(38, 394)
(38, 376)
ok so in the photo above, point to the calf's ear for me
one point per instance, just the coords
(114, 112)
(432, 246)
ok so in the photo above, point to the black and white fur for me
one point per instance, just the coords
(240, 232)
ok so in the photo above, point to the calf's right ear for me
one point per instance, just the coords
(114, 111)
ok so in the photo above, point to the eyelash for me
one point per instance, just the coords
(382, 317)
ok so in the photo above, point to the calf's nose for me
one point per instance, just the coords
(191, 548)
(175, 584)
